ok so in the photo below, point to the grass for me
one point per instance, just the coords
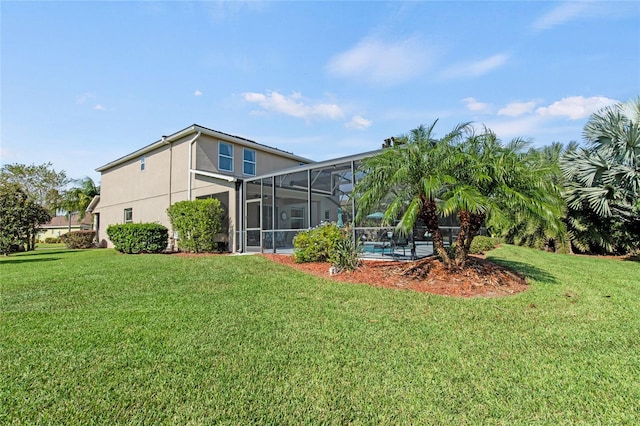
(95, 337)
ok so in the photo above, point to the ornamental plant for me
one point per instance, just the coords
(197, 223)
(79, 239)
(133, 238)
(326, 243)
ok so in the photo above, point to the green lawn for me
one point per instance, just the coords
(94, 336)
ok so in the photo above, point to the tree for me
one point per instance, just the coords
(78, 198)
(42, 184)
(603, 180)
(20, 218)
(498, 184)
(521, 229)
(469, 175)
(409, 176)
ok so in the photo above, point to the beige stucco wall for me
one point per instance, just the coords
(206, 158)
(166, 178)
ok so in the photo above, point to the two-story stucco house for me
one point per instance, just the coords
(195, 162)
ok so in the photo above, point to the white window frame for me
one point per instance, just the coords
(220, 156)
(142, 163)
(130, 210)
(248, 162)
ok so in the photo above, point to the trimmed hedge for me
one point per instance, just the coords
(52, 240)
(134, 238)
(197, 222)
(79, 239)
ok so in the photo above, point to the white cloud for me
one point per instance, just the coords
(294, 105)
(359, 123)
(81, 99)
(476, 68)
(475, 106)
(382, 62)
(559, 121)
(520, 127)
(575, 107)
(197, 93)
(515, 109)
(559, 15)
(99, 107)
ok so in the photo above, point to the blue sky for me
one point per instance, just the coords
(84, 83)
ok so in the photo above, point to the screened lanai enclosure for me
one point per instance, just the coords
(279, 205)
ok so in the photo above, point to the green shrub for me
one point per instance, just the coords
(52, 240)
(138, 237)
(315, 245)
(326, 243)
(197, 223)
(481, 244)
(78, 239)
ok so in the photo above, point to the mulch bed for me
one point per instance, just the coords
(481, 278)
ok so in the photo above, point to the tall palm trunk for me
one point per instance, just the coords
(429, 214)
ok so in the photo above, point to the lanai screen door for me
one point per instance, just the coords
(252, 225)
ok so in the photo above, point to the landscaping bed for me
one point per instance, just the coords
(481, 278)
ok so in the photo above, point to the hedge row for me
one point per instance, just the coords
(78, 239)
(133, 238)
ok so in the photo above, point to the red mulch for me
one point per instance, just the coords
(481, 278)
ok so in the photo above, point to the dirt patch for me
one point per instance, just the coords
(481, 278)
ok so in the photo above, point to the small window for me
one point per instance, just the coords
(225, 156)
(142, 160)
(297, 218)
(128, 215)
(249, 162)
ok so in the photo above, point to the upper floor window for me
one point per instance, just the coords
(142, 161)
(225, 156)
(249, 162)
(128, 215)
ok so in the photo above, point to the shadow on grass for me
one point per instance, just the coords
(25, 259)
(527, 270)
(41, 252)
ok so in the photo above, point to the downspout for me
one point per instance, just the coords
(191, 142)
(165, 141)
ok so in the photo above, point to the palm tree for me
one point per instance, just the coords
(526, 231)
(78, 198)
(604, 177)
(408, 175)
(501, 185)
(470, 175)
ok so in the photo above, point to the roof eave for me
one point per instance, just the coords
(209, 132)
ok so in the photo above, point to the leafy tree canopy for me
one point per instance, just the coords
(20, 218)
(42, 184)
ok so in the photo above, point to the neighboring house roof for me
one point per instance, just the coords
(63, 221)
(206, 131)
(92, 205)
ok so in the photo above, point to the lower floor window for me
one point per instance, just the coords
(128, 215)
